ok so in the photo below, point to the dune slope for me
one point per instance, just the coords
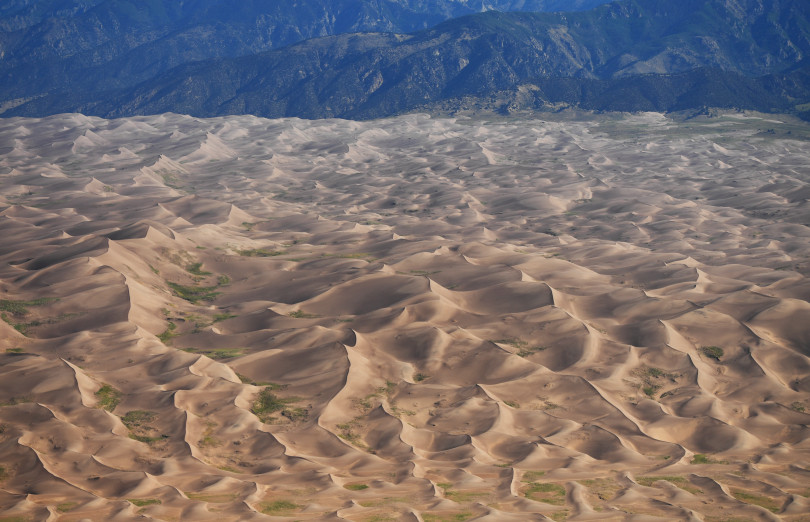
(411, 318)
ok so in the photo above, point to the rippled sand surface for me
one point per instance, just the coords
(406, 319)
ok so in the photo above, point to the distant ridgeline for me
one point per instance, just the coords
(209, 57)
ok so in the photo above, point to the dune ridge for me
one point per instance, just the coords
(417, 318)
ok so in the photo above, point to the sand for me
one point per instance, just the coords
(592, 318)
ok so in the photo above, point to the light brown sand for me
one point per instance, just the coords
(457, 319)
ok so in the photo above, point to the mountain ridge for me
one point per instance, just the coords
(369, 75)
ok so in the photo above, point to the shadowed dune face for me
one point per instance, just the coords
(241, 318)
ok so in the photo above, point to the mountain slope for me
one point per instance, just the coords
(106, 44)
(581, 58)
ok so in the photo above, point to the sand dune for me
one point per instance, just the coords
(409, 319)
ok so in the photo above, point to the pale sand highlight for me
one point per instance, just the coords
(457, 319)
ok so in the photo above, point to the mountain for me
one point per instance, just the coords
(107, 44)
(628, 55)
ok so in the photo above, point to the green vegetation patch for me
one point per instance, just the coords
(300, 314)
(64, 507)
(108, 397)
(463, 496)
(385, 501)
(223, 317)
(260, 252)
(356, 487)
(768, 503)
(168, 334)
(651, 379)
(356, 255)
(14, 351)
(525, 352)
(278, 507)
(20, 327)
(516, 343)
(295, 414)
(424, 272)
(700, 458)
(224, 353)
(650, 390)
(19, 308)
(712, 352)
(458, 496)
(446, 517)
(208, 440)
(196, 269)
(681, 482)
(213, 498)
(141, 502)
(419, 377)
(194, 294)
(15, 401)
(368, 402)
(347, 433)
(546, 492)
(603, 488)
(531, 476)
(272, 386)
(268, 403)
(138, 422)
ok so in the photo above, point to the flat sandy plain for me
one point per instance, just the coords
(438, 319)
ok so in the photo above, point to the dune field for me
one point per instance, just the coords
(417, 318)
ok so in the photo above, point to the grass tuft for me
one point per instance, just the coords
(700, 458)
(140, 502)
(108, 397)
(449, 517)
(712, 352)
(64, 507)
(260, 252)
(278, 507)
(299, 314)
(223, 317)
(167, 334)
(196, 269)
(531, 476)
(681, 482)
(194, 294)
(553, 494)
(268, 403)
(224, 353)
(768, 503)
(21, 307)
(138, 422)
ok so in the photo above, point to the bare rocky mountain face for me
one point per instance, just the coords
(70, 45)
(630, 55)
